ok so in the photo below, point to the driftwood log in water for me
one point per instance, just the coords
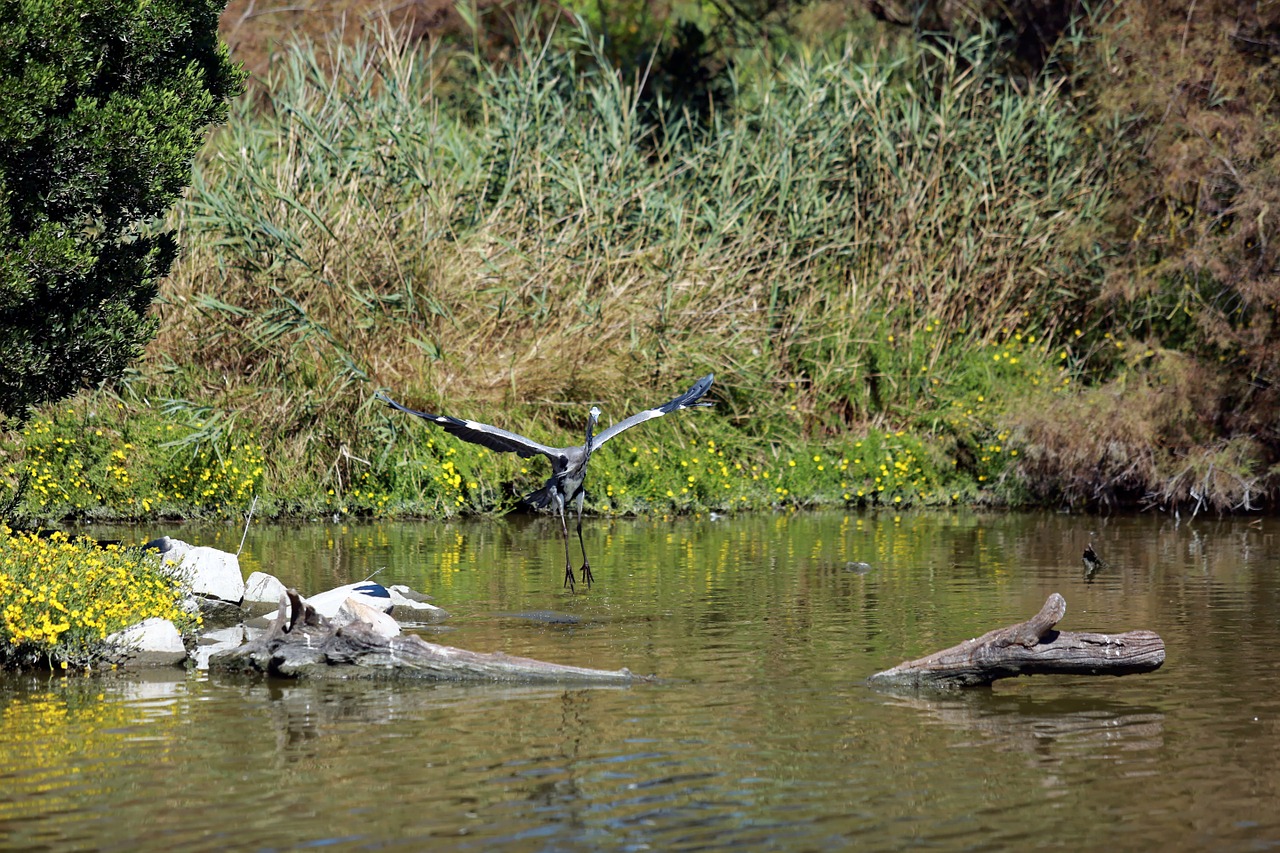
(1029, 648)
(301, 643)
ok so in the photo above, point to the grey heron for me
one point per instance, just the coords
(568, 464)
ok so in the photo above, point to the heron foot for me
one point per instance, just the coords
(568, 576)
(586, 574)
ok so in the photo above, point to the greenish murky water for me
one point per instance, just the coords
(761, 735)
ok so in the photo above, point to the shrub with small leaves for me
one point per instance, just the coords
(103, 104)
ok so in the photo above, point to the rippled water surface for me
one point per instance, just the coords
(761, 733)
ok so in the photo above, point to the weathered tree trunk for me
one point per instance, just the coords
(1029, 648)
(301, 643)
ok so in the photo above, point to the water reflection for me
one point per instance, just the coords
(760, 734)
(1050, 730)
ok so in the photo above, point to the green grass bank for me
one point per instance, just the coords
(891, 254)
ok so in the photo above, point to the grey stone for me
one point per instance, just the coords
(173, 549)
(399, 590)
(381, 624)
(408, 605)
(262, 588)
(151, 642)
(207, 571)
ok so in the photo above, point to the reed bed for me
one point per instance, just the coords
(484, 237)
(846, 245)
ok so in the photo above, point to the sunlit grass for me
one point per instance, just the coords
(872, 303)
(131, 462)
(109, 458)
(538, 246)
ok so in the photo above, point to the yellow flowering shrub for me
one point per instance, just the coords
(75, 462)
(60, 598)
(210, 479)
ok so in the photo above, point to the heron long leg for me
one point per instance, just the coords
(568, 563)
(586, 565)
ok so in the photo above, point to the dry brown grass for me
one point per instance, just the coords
(1148, 439)
(546, 248)
(259, 32)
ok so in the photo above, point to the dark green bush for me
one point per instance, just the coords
(103, 104)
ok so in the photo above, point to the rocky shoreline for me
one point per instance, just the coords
(237, 610)
(259, 627)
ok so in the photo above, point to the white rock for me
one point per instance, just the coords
(263, 588)
(151, 642)
(217, 641)
(405, 607)
(400, 591)
(378, 621)
(373, 594)
(411, 605)
(207, 571)
(215, 573)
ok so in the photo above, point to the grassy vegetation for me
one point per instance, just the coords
(898, 260)
(867, 248)
(78, 462)
(919, 279)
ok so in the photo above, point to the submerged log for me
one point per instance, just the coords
(302, 643)
(1029, 648)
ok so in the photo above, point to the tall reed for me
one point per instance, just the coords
(839, 245)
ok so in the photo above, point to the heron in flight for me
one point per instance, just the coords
(568, 464)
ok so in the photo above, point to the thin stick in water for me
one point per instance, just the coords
(248, 518)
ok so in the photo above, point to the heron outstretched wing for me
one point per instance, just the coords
(482, 434)
(686, 400)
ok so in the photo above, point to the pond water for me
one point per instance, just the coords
(761, 733)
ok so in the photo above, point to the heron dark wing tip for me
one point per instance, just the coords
(699, 389)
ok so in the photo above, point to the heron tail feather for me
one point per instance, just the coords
(541, 499)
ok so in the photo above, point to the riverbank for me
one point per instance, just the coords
(87, 461)
(296, 301)
(894, 257)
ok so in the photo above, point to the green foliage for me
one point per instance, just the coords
(535, 244)
(697, 464)
(111, 460)
(901, 248)
(103, 103)
(95, 459)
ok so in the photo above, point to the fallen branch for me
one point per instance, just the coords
(1029, 648)
(302, 643)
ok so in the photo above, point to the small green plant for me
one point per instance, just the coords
(85, 460)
